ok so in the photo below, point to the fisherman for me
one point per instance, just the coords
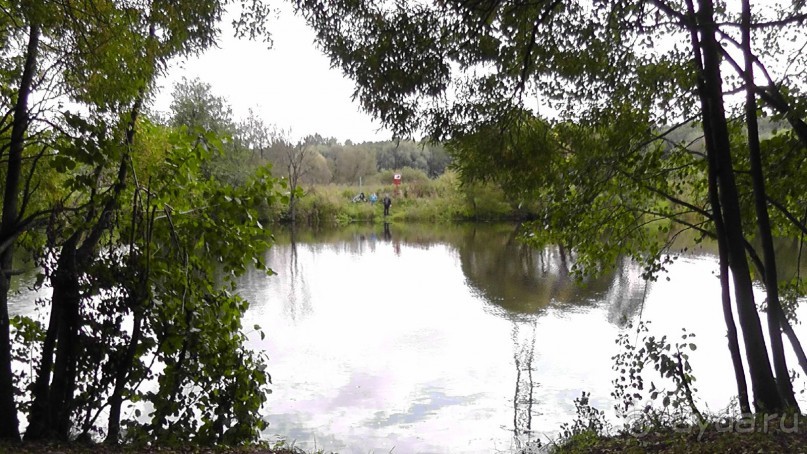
(387, 203)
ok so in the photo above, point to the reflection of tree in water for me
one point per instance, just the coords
(298, 302)
(524, 397)
(513, 277)
(522, 280)
(626, 293)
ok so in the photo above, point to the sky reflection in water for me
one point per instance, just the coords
(422, 337)
(456, 338)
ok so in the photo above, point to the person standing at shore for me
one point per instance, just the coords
(387, 204)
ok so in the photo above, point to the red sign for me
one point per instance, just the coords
(396, 179)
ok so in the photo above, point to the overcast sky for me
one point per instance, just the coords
(291, 85)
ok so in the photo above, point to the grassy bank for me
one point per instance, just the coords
(418, 199)
(100, 448)
(681, 440)
(664, 440)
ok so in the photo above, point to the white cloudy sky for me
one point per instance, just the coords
(291, 85)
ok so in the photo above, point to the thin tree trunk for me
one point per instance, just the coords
(785, 324)
(794, 341)
(37, 419)
(124, 369)
(121, 376)
(763, 220)
(9, 429)
(137, 306)
(292, 207)
(161, 414)
(725, 291)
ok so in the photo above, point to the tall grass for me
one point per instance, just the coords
(419, 198)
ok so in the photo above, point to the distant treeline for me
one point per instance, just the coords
(314, 159)
(329, 161)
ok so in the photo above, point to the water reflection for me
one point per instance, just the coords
(523, 280)
(396, 336)
(456, 338)
(524, 398)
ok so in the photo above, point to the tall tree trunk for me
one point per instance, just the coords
(294, 174)
(48, 391)
(139, 292)
(292, 207)
(763, 221)
(766, 395)
(66, 296)
(9, 429)
(720, 234)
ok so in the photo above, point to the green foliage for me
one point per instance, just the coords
(608, 175)
(141, 228)
(486, 202)
(207, 233)
(585, 432)
(611, 166)
(429, 158)
(26, 334)
(207, 118)
(604, 191)
(194, 106)
(669, 361)
(171, 262)
(588, 422)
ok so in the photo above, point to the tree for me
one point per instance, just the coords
(296, 160)
(196, 108)
(68, 41)
(605, 170)
(319, 172)
(103, 56)
(10, 226)
(56, 382)
(353, 163)
(254, 135)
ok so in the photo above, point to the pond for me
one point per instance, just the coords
(459, 338)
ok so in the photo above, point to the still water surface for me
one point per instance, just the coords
(457, 338)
